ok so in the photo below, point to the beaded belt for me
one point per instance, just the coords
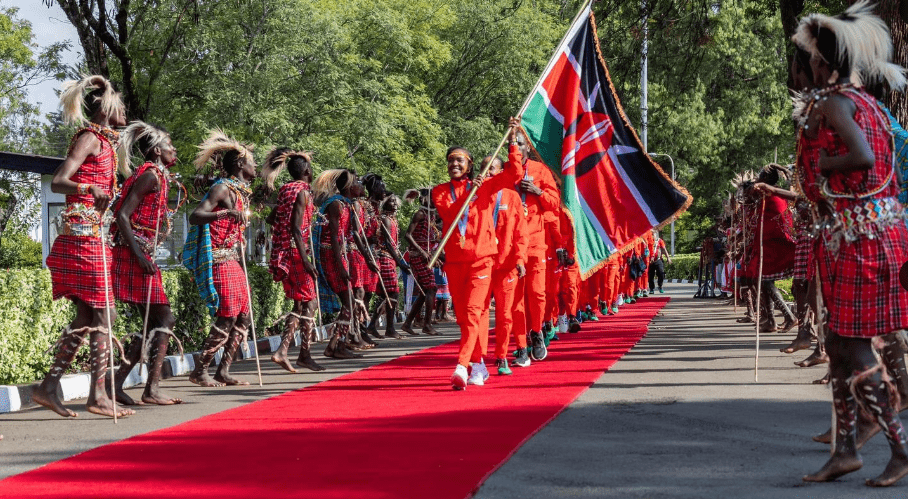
(874, 210)
(221, 255)
(80, 229)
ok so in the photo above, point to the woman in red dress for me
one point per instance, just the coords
(80, 260)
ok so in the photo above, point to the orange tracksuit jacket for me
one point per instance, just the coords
(469, 255)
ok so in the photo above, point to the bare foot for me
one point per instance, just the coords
(407, 328)
(229, 380)
(105, 408)
(786, 326)
(124, 399)
(283, 362)
(204, 380)
(158, 399)
(392, 333)
(796, 345)
(823, 438)
(430, 331)
(814, 359)
(895, 471)
(837, 466)
(310, 364)
(51, 402)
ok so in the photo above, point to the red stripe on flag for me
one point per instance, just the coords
(563, 88)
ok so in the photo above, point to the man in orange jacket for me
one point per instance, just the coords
(569, 282)
(539, 194)
(511, 235)
(469, 253)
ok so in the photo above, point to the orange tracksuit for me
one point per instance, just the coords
(569, 292)
(611, 281)
(590, 289)
(532, 287)
(552, 269)
(469, 253)
(511, 231)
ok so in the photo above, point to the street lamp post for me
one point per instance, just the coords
(672, 161)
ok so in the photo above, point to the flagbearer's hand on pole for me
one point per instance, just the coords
(514, 124)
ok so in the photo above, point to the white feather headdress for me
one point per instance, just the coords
(214, 147)
(325, 185)
(277, 160)
(861, 36)
(73, 98)
(134, 132)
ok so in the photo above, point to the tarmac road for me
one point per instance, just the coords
(680, 416)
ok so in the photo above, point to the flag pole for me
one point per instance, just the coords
(523, 108)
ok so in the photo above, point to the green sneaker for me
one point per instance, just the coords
(615, 310)
(503, 369)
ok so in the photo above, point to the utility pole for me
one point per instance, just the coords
(644, 69)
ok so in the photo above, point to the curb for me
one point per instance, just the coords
(680, 281)
(15, 398)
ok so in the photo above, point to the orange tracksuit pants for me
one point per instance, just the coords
(532, 288)
(610, 285)
(504, 287)
(469, 285)
(569, 292)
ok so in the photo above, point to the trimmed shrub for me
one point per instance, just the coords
(683, 266)
(31, 321)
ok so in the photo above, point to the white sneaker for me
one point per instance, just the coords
(562, 324)
(459, 378)
(479, 375)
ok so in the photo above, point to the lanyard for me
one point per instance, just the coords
(462, 223)
(497, 207)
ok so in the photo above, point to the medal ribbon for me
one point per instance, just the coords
(497, 207)
(462, 223)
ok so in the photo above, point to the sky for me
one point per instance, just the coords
(49, 25)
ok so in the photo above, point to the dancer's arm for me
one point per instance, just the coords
(296, 220)
(839, 111)
(86, 145)
(144, 185)
(219, 195)
(334, 212)
(418, 217)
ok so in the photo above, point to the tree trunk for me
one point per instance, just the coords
(897, 102)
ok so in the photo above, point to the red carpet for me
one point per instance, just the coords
(393, 430)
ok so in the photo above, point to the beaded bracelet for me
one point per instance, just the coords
(83, 188)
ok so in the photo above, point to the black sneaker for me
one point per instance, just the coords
(538, 351)
(521, 359)
(573, 325)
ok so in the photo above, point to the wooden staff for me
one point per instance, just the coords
(759, 288)
(255, 347)
(107, 291)
(362, 234)
(154, 250)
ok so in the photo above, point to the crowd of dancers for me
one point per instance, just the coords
(839, 232)
(336, 247)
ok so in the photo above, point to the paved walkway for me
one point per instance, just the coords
(680, 416)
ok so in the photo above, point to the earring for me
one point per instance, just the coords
(834, 77)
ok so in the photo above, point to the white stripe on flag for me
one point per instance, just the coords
(614, 152)
(548, 104)
(596, 225)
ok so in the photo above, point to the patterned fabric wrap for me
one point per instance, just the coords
(804, 263)
(388, 268)
(426, 235)
(360, 274)
(298, 284)
(198, 259)
(860, 273)
(131, 284)
(230, 284)
(441, 283)
(329, 282)
(76, 262)
(778, 244)
(282, 247)
(151, 212)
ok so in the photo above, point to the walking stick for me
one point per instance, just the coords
(258, 364)
(148, 279)
(318, 301)
(362, 233)
(759, 301)
(107, 291)
(734, 263)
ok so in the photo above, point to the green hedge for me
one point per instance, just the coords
(31, 321)
(683, 266)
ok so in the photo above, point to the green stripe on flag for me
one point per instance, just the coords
(546, 133)
(591, 249)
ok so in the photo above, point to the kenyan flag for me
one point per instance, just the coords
(612, 189)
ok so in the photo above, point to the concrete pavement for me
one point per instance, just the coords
(680, 416)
